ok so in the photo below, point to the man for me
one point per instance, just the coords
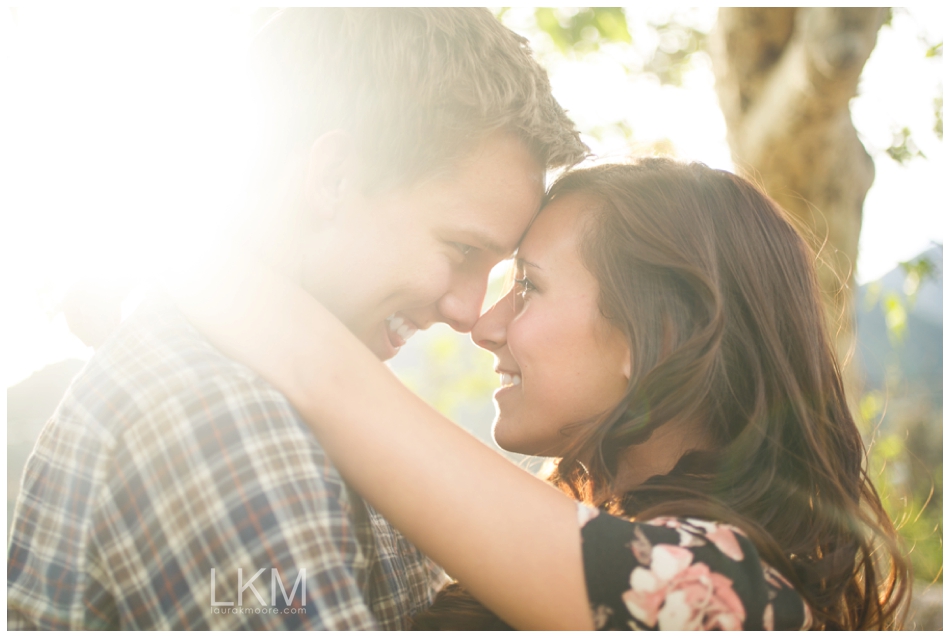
(174, 488)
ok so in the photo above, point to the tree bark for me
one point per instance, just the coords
(785, 78)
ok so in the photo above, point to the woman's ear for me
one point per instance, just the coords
(328, 171)
(620, 352)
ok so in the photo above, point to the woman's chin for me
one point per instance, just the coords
(504, 439)
(510, 440)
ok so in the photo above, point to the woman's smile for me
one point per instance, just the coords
(509, 379)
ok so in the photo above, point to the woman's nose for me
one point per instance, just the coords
(491, 329)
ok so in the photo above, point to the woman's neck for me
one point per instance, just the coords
(658, 455)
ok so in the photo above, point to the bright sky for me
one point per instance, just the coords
(124, 139)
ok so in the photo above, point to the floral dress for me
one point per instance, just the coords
(681, 574)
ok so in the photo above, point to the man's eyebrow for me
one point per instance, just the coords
(497, 249)
(488, 244)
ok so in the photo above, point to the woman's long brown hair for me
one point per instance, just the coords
(717, 294)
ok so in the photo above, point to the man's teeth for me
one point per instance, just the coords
(510, 379)
(400, 327)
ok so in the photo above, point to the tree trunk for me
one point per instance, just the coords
(785, 78)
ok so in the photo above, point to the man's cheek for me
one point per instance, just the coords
(431, 282)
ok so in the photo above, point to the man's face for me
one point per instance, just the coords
(415, 256)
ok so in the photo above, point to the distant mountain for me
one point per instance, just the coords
(914, 365)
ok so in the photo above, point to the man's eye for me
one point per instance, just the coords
(462, 248)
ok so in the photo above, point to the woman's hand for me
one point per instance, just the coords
(510, 538)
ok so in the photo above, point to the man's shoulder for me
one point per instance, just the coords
(156, 362)
(157, 397)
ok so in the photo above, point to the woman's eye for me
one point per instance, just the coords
(464, 249)
(524, 286)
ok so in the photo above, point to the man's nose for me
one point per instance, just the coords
(491, 329)
(461, 305)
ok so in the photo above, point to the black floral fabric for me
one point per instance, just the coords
(682, 574)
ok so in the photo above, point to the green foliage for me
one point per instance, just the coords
(895, 305)
(905, 455)
(453, 374)
(577, 32)
(889, 17)
(907, 471)
(903, 149)
(938, 116)
(583, 30)
(892, 305)
(871, 406)
(935, 51)
(916, 272)
(678, 43)
(615, 129)
(895, 316)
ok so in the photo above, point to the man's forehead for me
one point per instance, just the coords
(491, 199)
(494, 229)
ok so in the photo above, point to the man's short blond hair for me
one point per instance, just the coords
(416, 88)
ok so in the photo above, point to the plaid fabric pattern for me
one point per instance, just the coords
(166, 460)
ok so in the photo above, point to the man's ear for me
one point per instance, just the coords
(329, 168)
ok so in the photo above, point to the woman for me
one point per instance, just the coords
(665, 341)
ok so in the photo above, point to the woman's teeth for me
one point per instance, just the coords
(510, 379)
(400, 327)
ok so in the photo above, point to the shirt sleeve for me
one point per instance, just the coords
(223, 512)
(682, 574)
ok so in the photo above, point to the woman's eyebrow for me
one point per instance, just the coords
(519, 261)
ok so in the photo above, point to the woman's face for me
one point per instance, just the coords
(561, 363)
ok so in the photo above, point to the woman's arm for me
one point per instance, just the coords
(510, 538)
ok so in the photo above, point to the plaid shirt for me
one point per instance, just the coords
(167, 460)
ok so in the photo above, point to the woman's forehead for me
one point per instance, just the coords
(556, 229)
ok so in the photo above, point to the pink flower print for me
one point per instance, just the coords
(695, 532)
(668, 561)
(648, 585)
(678, 596)
(644, 605)
(687, 538)
(642, 547)
(727, 543)
(709, 526)
(665, 521)
(774, 577)
(725, 610)
(722, 536)
(701, 600)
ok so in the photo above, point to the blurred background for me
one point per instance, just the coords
(126, 135)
